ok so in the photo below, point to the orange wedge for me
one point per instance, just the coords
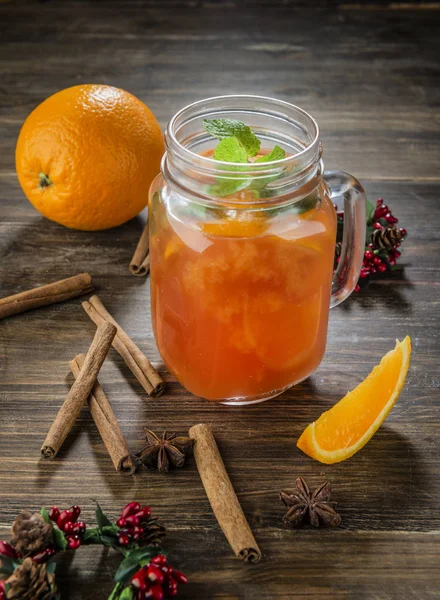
(351, 423)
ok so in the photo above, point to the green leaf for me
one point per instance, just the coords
(58, 538)
(7, 565)
(45, 515)
(370, 208)
(131, 562)
(277, 153)
(91, 536)
(101, 518)
(230, 150)
(225, 128)
(226, 187)
(50, 567)
(127, 594)
(115, 595)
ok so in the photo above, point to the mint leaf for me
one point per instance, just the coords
(277, 153)
(226, 187)
(224, 128)
(230, 150)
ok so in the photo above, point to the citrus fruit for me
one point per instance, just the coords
(87, 155)
(351, 423)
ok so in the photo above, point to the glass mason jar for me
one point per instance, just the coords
(242, 255)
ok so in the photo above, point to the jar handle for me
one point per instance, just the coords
(344, 185)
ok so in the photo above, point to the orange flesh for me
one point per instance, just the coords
(240, 306)
(350, 418)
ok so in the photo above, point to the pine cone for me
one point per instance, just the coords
(153, 533)
(30, 533)
(386, 238)
(31, 581)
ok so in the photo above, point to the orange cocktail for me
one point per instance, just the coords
(242, 241)
(240, 305)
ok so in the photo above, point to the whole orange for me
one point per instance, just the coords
(87, 155)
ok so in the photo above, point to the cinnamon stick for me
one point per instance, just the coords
(221, 494)
(79, 391)
(134, 358)
(46, 294)
(140, 263)
(106, 422)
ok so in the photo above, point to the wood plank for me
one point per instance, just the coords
(370, 75)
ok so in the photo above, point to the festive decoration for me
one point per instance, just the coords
(383, 239)
(27, 566)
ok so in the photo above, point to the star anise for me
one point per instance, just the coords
(310, 507)
(164, 453)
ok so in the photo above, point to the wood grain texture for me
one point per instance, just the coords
(371, 78)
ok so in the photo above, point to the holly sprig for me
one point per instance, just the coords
(144, 572)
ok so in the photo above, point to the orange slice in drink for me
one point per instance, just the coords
(351, 423)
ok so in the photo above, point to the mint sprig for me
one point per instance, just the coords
(230, 150)
(237, 145)
(226, 128)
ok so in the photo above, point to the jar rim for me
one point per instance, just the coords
(311, 149)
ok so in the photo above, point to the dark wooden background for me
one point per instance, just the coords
(369, 73)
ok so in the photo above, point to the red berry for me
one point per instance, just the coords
(66, 516)
(44, 555)
(364, 273)
(357, 288)
(380, 211)
(155, 592)
(179, 577)
(132, 520)
(402, 231)
(130, 509)
(170, 588)
(377, 260)
(123, 539)
(159, 559)
(73, 542)
(373, 270)
(138, 580)
(76, 511)
(121, 522)
(382, 268)
(144, 513)
(54, 513)
(7, 550)
(154, 574)
(79, 527)
(379, 201)
(368, 254)
(2, 591)
(391, 261)
(68, 527)
(377, 226)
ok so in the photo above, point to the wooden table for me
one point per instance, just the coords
(369, 74)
